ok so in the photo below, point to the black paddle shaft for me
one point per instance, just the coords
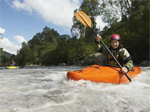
(111, 54)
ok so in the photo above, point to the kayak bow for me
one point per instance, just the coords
(107, 74)
(12, 67)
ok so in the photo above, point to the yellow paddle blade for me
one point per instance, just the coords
(83, 18)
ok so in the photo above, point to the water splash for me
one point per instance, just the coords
(48, 90)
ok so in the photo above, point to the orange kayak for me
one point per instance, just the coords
(107, 74)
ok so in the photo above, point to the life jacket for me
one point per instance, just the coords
(111, 61)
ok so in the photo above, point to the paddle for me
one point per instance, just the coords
(84, 19)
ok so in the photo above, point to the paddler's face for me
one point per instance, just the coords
(114, 44)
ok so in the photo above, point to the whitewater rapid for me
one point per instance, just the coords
(48, 90)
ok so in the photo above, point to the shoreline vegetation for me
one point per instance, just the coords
(48, 47)
(142, 64)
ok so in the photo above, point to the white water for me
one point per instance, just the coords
(48, 90)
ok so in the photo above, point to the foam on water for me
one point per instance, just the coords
(48, 90)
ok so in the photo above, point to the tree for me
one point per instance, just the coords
(25, 55)
(138, 31)
(1, 56)
(128, 18)
(134, 30)
(1, 50)
(91, 8)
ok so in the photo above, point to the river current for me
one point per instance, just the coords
(47, 89)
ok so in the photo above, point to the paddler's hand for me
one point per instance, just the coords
(124, 70)
(98, 38)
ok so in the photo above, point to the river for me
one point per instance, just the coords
(47, 89)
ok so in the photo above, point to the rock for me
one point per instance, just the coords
(99, 59)
(62, 64)
(145, 63)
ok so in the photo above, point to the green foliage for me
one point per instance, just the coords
(6, 54)
(1, 54)
(134, 32)
(91, 8)
(138, 34)
(5, 57)
(50, 48)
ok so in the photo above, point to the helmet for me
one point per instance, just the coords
(114, 37)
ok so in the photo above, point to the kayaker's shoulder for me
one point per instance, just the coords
(124, 50)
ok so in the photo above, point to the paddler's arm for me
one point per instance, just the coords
(97, 46)
(128, 63)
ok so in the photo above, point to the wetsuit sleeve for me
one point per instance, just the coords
(99, 48)
(96, 45)
(128, 63)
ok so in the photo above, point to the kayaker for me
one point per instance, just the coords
(13, 63)
(117, 49)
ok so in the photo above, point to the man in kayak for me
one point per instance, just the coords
(121, 54)
(13, 63)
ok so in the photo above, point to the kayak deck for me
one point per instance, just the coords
(11, 67)
(97, 73)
